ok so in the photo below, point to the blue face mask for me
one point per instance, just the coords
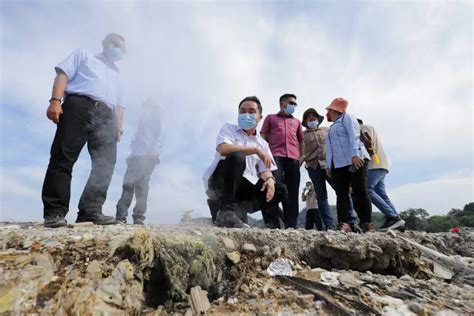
(312, 124)
(290, 109)
(114, 53)
(247, 121)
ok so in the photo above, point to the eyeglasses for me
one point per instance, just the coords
(292, 103)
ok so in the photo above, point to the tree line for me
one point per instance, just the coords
(419, 219)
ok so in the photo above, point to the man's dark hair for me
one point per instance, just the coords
(111, 36)
(286, 96)
(254, 99)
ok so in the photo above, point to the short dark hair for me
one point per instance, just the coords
(286, 96)
(253, 99)
(111, 36)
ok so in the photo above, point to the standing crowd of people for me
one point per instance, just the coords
(252, 171)
(257, 171)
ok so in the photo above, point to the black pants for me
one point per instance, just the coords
(135, 181)
(81, 122)
(313, 217)
(228, 185)
(289, 173)
(343, 180)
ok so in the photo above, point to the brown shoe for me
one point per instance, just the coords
(344, 227)
(367, 227)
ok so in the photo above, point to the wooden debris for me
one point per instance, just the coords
(198, 300)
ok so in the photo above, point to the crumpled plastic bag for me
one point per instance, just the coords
(281, 266)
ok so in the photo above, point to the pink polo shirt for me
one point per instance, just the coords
(284, 135)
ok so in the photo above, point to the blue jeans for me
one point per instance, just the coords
(318, 177)
(376, 186)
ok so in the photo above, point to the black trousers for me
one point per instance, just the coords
(136, 181)
(313, 217)
(289, 173)
(343, 179)
(228, 185)
(81, 122)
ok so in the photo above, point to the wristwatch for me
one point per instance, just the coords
(55, 99)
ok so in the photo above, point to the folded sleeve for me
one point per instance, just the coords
(71, 64)
(225, 136)
(261, 165)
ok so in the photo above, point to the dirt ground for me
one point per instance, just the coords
(188, 269)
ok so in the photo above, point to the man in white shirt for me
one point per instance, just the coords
(92, 113)
(241, 173)
(141, 164)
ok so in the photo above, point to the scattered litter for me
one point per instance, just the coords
(280, 266)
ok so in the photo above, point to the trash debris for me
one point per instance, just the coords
(151, 270)
(445, 266)
(330, 278)
(280, 266)
(198, 300)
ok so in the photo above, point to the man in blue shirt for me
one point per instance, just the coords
(92, 113)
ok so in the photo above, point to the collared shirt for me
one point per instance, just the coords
(343, 142)
(233, 134)
(315, 147)
(147, 139)
(284, 135)
(378, 149)
(92, 76)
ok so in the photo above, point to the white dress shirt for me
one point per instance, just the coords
(233, 134)
(92, 76)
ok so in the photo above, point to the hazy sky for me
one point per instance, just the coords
(405, 67)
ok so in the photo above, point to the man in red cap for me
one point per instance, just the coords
(346, 163)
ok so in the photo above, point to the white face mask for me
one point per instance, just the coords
(114, 53)
(312, 124)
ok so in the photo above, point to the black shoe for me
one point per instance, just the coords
(138, 221)
(54, 221)
(356, 229)
(229, 218)
(331, 227)
(273, 225)
(119, 220)
(393, 223)
(97, 218)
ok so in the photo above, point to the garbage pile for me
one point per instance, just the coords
(158, 270)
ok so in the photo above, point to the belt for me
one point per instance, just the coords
(94, 102)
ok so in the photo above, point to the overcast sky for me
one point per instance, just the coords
(405, 67)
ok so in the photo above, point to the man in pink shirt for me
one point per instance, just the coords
(284, 134)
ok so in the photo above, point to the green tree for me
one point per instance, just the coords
(469, 207)
(464, 217)
(437, 224)
(415, 218)
(454, 212)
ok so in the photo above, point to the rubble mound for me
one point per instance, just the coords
(157, 269)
